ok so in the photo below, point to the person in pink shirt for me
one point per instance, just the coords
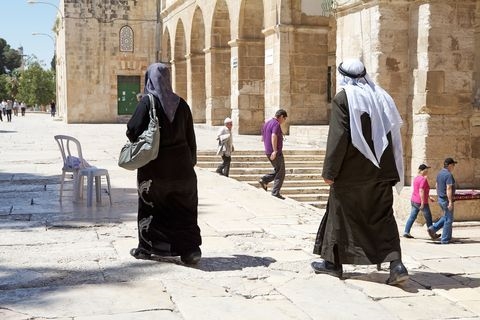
(419, 200)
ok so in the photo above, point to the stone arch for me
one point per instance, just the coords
(166, 52)
(218, 66)
(248, 73)
(179, 64)
(197, 94)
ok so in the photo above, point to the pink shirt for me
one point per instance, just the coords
(420, 182)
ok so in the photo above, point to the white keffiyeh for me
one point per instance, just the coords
(364, 96)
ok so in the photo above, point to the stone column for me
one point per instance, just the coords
(248, 85)
(196, 86)
(179, 77)
(296, 72)
(277, 72)
(217, 74)
(442, 106)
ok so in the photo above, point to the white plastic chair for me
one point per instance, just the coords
(74, 162)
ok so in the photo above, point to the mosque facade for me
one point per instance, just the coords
(246, 58)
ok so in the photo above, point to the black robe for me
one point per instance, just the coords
(358, 226)
(167, 186)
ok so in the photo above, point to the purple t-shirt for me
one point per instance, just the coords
(420, 182)
(272, 126)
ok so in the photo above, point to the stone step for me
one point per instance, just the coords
(307, 190)
(318, 204)
(260, 158)
(257, 176)
(296, 184)
(259, 164)
(307, 197)
(262, 171)
(303, 181)
(262, 153)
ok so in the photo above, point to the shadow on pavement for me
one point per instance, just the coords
(419, 280)
(31, 197)
(213, 264)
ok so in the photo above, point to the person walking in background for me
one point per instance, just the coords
(3, 106)
(15, 108)
(225, 147)
(363, 160)
(272, 137)
(53, 108)
(445, 186)
(23, 108)
(8, 109)
(419, 201)
(167, 186)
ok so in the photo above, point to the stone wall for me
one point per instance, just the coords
(259, 56)
(93, 59)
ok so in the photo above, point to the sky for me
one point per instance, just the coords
(19, 19)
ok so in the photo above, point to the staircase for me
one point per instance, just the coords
(303, 181)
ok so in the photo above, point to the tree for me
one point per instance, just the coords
(36, 86)
(10, 59)
(4, 92)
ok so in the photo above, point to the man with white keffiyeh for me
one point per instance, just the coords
(363, 162)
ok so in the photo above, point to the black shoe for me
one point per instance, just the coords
(192, 257)
(398, 275)
(432, 234)
(140, 253)
(407, 235)
(279, 196)
(263, 184)
(326, 267)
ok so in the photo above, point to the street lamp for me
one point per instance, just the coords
(43, 34)
(61, 64)
(47, 35)
(50, 4)
(54, 48)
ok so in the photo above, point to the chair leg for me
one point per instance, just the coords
(77, 186)
(98, 188)
(89, 189)
(61, 185)
(109, 189)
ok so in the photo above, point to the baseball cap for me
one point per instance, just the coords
(423, 167)
(227, 120)
(449, 161)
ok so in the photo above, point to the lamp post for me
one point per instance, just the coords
(44, 34)
(47, 35)
(50, 4)
(54, 50)
(60, 61)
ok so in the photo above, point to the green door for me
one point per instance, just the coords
(128, 87)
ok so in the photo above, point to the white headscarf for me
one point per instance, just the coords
(158, 83)
(365, 97)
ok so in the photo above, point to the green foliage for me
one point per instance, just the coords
(4, 92)
(36, 86)
(31, 84)
(10, 59)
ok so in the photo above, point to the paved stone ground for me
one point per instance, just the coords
(67, 261)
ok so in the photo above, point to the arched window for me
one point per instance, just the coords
(126, 39)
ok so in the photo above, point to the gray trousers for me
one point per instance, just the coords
(278, 174)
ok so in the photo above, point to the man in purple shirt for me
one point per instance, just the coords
(272, 137)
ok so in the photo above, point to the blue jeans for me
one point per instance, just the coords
(427, 214)
(445, 222)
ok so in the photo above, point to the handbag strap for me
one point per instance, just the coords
(153, 112)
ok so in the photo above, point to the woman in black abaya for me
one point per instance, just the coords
(167, 186)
